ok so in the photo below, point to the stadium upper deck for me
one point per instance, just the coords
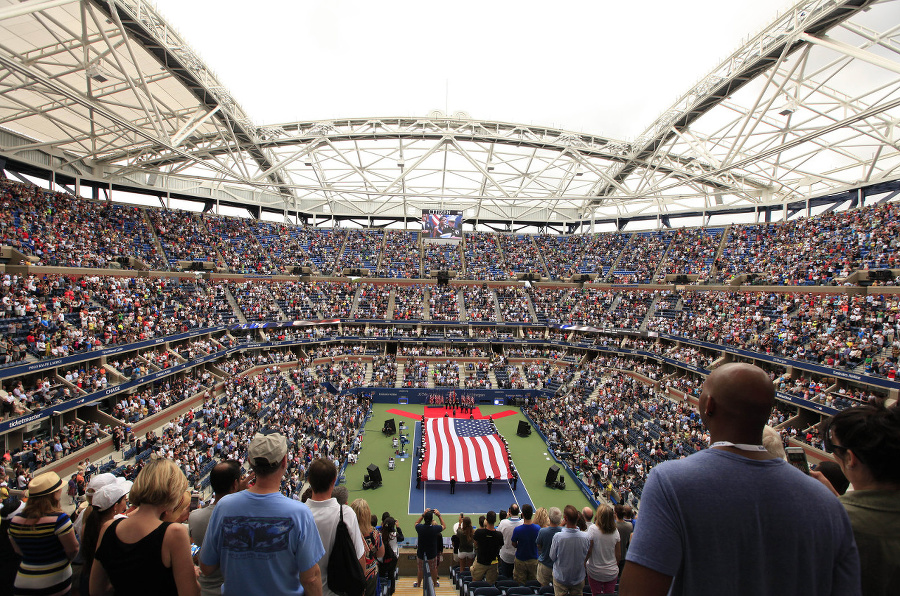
(58, 229)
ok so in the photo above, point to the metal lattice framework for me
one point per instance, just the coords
(107, 90)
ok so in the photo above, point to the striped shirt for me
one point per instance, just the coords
(45, 568)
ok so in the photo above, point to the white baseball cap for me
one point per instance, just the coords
(98, 482)
(108, 495)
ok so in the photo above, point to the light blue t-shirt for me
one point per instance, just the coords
(262, 543)
(721, 523)
(568, 551)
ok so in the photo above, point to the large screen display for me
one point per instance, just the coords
(441, 223)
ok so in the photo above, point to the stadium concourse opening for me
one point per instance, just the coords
(461, 462)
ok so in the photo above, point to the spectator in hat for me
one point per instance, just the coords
(42, 534)
(263, 541)
(96, 483)
(108, 503)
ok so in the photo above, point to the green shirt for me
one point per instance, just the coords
(875, 517)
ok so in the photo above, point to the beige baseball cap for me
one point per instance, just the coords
(271, 447)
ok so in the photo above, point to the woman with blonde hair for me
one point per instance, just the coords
(541, 517)
(602, 563)
(374, 544)
(43, 535)
(141, 555)
(182, 511)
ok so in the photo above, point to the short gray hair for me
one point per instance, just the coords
(555, 515)
(341, 494)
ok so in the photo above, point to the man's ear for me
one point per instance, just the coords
(710, 408)
(852, 461)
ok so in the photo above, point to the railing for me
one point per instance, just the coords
(77, 402)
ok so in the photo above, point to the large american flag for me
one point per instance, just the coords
(469, 450)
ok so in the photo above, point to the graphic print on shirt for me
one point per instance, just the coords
(242, 534)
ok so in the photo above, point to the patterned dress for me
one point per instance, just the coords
(45, 569)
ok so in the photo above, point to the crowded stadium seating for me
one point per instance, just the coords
(829, 341)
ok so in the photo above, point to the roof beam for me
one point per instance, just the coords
(779, 39)
(59, 88)
(142, 22)
(18, 10)
(852, 51)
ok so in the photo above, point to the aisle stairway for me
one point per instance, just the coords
(404, 588)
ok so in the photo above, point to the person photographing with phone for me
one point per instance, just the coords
(429, 534)
(865, 442)
(734, 519)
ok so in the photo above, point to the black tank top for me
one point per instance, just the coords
(137, 569)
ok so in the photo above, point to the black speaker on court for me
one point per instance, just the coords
(524, 429)
(552, 473)
(390, 427)
(374, 474)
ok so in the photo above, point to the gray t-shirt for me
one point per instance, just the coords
(721, 523)
(198, 521)
(544, 541)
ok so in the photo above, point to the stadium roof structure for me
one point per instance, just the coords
(108, 93)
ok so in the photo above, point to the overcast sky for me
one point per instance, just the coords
(607, 68)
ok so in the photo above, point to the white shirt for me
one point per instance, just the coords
(506, 527)
(327, 514)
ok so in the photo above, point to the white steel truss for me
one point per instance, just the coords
(809, 107)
